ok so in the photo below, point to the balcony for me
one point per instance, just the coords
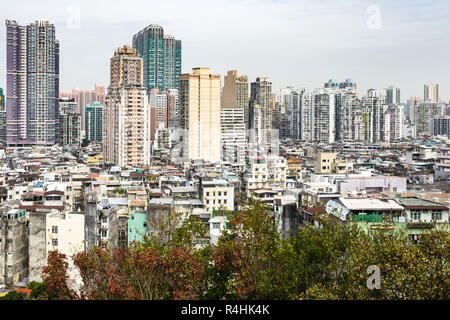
(420, 225)
(368, 217)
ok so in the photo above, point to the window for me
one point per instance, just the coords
(415, 214)
(104, 233)
(436, 215)
(55, 242)
(54, 229)
(216, 225)
(104, 220)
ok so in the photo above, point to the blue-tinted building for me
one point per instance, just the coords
(333, 84)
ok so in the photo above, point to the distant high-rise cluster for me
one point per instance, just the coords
(84, 98)
(148, 100)
(337, 113)
(333, 84)
(32, 84)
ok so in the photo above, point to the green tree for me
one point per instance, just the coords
(85, 143)
(38, 289)
(14, 295)
(246, 256)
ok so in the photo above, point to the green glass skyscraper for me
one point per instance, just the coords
(94, 122)
(162, 58)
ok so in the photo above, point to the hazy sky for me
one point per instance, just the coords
(293, 42)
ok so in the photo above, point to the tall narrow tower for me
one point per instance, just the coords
(234, 117)
(32, 83)
(126, 129)
(260, 110)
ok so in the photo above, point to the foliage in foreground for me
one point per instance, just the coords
(252, 261)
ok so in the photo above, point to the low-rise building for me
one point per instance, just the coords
(14, 244)
(217, 195)
(329, 162)
(51, 230)
(266, 172)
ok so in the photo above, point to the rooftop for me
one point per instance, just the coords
(370, 204)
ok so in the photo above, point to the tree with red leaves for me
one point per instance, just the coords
(55, 277)
(154, 269)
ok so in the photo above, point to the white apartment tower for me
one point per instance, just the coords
(232, 122)
(376, 124)
(323, 116)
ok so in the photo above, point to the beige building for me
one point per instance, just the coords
(235, 93)
(200, 113)
(52, 230)
(431, 92)
(126, 117)
(328, 162)
(217, 195)
(266, 172)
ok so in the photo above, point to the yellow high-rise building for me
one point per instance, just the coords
(200, 113)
